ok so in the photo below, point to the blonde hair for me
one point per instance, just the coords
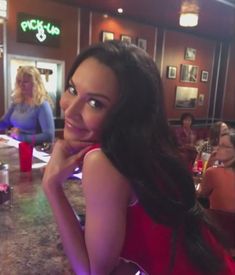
(39, 92)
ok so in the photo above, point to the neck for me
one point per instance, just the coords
(28, 100)
(187, 129)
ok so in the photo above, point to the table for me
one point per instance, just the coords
(29, 240)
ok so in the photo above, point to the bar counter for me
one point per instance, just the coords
(29, 240)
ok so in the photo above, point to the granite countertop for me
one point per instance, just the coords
(30, 243)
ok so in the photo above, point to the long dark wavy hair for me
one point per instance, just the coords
(137, 140)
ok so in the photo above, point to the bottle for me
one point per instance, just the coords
(4, 177)
(194, 170)
(199, 166)
(5, 191)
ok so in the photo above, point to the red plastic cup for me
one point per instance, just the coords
(25, 156)
(199, 166)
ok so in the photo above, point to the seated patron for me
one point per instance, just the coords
(186, 139)
(219, 182)
(29, 117)
(207, 150)
(186, 136)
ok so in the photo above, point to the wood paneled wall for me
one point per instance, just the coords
(228, 110)
(167, 47)
(175, 44)
(121, 26)
(65, 14)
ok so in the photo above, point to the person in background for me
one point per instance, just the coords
(140, 199)
(219, 182)
(29, 117)
(207, 151)
(185, 135)
(186, 139)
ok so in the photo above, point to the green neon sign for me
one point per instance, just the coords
(35, 24)
(43, 28)
(39, 30)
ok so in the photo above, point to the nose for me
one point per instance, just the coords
(72, 106)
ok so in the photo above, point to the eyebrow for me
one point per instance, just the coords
(92, 94)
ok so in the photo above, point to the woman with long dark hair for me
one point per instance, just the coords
(140, 200)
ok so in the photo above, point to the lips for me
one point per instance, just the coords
(70, 125)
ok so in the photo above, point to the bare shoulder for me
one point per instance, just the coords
(100, 174)
(215, 172)
(96, 161)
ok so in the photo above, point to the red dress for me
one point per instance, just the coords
(149, 246)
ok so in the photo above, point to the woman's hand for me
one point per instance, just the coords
(65, 157)
(14, 132)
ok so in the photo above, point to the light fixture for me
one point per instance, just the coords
(189, 13)
(3, 10)
(120, 10)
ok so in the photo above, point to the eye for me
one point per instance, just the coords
(71, 89)
(96, 104)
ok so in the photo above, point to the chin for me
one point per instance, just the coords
(79, 137)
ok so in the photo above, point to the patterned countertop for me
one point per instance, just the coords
(30, 243)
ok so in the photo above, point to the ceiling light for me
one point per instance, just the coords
(120, 10)
(189, 14)
(188, 19)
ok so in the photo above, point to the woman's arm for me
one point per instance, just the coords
(46, 122)
(5, 120)
(107, 195)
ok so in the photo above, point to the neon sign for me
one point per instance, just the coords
(32, 29)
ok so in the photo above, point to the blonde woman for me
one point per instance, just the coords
(29, 117)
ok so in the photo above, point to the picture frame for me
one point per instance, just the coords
(190, 54)
(171, 72)
(204, 76)
(186, 97)
(142, 43)
(126, 38)
(106, 35)
(201, 98)
(188, 73)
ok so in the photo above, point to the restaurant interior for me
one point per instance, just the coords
(196, 60)
(153, 23)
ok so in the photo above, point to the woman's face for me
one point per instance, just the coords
(223, 128)
(92, 92)
(26, 85)
(225, 150)
(187, 122)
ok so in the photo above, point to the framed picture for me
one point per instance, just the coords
(190, 54)
(201, 99)
(107, 36)
(126, 38)
(171, 72)
(204, 76)
(186, 97)
(142, 43)
(188, 73)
